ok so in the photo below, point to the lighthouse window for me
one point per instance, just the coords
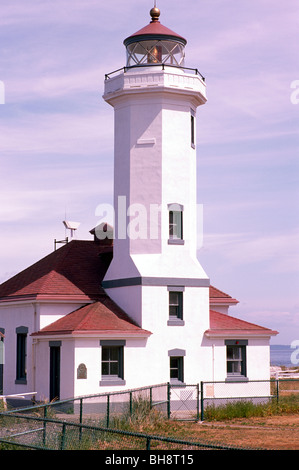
(176, 362)
(176, 305)
(176, 369)
(175, 223)
(192, 129)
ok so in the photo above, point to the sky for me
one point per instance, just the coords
(56, 136)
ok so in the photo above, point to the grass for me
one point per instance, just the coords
(140, 417)
(247, 409)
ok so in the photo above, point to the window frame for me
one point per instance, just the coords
(118, 347)
(175, 224)
(21, 355)
(176, 319)
(237, 361)
(178, 356)
(193, 133)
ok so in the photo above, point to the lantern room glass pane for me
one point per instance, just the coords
(155, 52)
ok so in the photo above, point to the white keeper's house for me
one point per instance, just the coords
(107, 315)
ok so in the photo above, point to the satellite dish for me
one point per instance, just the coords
(72, 226)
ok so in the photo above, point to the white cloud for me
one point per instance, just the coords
(278, 253)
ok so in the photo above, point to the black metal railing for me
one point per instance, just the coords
(126, 69)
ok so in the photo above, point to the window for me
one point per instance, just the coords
(112, 366)
(175, 305)
(21, 372)
(176, 361)
(176, 369)
(175, 224)
(236, 359)
(192, 128)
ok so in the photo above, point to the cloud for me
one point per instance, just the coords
(62, 133)
(278, 253)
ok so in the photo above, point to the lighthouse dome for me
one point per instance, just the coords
(155, 44)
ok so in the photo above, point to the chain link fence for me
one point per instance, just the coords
(101, 421)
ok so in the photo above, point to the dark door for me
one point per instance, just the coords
(54, 373)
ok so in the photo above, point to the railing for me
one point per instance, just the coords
(66, 423)
(62, 435)
(15, 395)
(126, 69)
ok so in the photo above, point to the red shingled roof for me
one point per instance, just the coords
(219, 297)
(222, 324)
(98, 317)
(73, 271)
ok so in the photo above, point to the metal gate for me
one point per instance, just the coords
(184, 402)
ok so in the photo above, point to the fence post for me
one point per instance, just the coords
(197, 402)
(45, 426)
(201, 402)
(168, 400)
(151, 398)
(131, 404)
(108, 411)
(277, 390)
(81, 418)
(62, 437)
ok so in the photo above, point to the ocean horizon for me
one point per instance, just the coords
(280, 355)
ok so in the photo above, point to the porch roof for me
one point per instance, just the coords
(224, 325)
(101, 317)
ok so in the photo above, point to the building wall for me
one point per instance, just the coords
(33, 316)
(42, 363)
(11, 317)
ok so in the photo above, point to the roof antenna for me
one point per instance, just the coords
(72, 226)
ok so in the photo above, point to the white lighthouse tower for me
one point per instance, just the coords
(155, 275)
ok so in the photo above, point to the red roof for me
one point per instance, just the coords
(222, 324)
(98, 317)
(219, 297)
(156, 30)
(75, 271)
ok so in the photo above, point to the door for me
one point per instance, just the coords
(54, 373)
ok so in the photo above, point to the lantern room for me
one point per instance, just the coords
(155, 44)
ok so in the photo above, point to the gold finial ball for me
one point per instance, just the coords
(155, 14)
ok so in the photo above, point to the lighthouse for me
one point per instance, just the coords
(155, 275)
